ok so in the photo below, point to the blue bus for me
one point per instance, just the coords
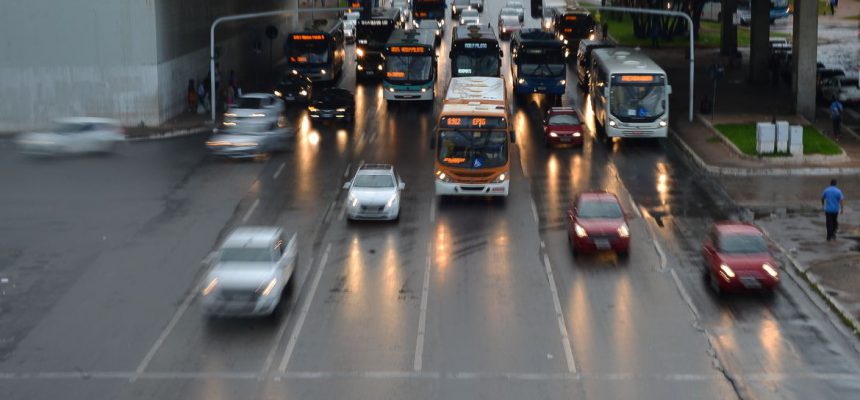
(538, 63)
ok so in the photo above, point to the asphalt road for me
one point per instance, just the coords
(471, 298)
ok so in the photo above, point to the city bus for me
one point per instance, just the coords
(473, 139)
(538, 63)
(317, 52)
(429, 9)
(629, 93)
(371, 34)
(410, 66)
(475, 51)
(572, 24)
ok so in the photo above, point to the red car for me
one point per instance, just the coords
(737, 257)
(596, 222)
(562, 126)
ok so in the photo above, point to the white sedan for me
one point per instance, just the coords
(250, 272)
(73, 136)
(470, 17)
(256, 106)
(374, 193)
(517, 5)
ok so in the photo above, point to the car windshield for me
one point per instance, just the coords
(72, 127)
(462, 2)
(510, 12)
(330, 96)
(563, 119)
(373, 181)
(246, 254)
(408, 68)
(250, 102)
(631, 102)
(599, 209)
(473, 149)
(742, 244)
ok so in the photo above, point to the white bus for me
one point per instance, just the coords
(629, 93)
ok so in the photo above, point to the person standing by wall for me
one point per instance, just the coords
(833, 202)
(836, 116)
(833, 4)
(191, 96)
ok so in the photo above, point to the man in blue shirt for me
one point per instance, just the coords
(832, 200)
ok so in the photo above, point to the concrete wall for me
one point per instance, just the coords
(126, 59)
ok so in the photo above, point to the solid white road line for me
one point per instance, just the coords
(422, 319)
(562, 326)
(342, 213)
(328, 212)
(660, 252)
(251, 210)
(280, 169)
(523, 166)
(534, 211)
(304, 313)
(164, 333)
(433, 209)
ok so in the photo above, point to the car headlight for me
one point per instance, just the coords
(360, 68)
(662, 123)
(359, 52)
(591, 37)
(258, 115)
(454, 9)
(440, 23)
(322, 71)
(611, 123)
(565, 41)
(341, 109)
(770, 270)
(727, 271)
(245, 144)
(624, 231)
(353, 201)
(278, 93)
(442, 176)
(553, 134)
(379, 67)
(229, 114)
(217, 143)
(501, 178)
(312, 108)
(462, 21)
(391, 201)
(579, 230)
(577, 134)
(210, 287)
(438, 32)
(563, 81)
(303, 92)
(504, 29)
(521, 81)
(267, 290)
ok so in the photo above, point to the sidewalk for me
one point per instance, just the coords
(183, 124)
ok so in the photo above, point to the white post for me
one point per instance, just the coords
(669, 14)
(236, 18)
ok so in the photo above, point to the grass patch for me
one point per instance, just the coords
(743, 137)
(709, 34)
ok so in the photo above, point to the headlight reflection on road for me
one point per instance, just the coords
(342, 138)
(442, 254)
(662, 183)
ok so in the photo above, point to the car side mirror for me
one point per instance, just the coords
(346, 185)
(401, 185)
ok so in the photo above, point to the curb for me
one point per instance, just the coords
(734, 171)
(798, 273)
(171, 134)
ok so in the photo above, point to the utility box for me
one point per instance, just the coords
(795, 140)
(765, 133)
(782, 136)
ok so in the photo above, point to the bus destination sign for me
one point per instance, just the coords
(474, 122)
(303, 36)
(407, 49)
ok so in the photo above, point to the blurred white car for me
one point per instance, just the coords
(509, 22)
(250, 139)
(250, 272)
(517, 5)
(349, 19)
(470, 17)
(73, 136)
(255, 106)
(374, 193)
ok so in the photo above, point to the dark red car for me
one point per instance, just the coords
(562, 126)
(596, 222)
(737, 257)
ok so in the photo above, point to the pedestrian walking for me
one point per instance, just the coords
(203, 95)
(655, 33)
(605, 29)
(833, 4)
(836, 117)
(832, 200)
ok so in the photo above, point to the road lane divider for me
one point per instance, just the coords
(562, 325)
(280, 169)
(346, 171)
(294, 337)
(251, 210)
(165, 332)
(422, 318)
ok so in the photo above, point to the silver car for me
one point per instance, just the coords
(349, 19)
(250, 272)
(73, 136)
(249, 139)
(470, 17)
(255, 106)
(517, 5)
(509, 22)
(374, 193)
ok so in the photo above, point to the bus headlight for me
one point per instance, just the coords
(322, 71)
(360, 68)
(391, 89)
(359, 52)
(563, 82)
(591, 37)
(662, 123)
(424, 90)
(501, 178)
(611, 123)
(379, 67)
(442, 176)
(521, 81)
(341, 110)
(303, 92)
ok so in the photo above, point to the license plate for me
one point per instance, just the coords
(370, 73)
(565, 139)
(601, 244)
(541, 88)
(750, 282)
(327, 115)
(289, 97)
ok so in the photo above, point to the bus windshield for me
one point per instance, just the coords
(543, 62)
(637, 101)
(309, 52)
(412, 69)
(575, 26)
(373, 36)
(473, 149)
(484, 62)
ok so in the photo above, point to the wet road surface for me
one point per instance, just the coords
(461, 298)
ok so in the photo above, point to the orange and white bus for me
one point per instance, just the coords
(473, 139)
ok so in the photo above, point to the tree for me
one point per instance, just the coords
(669, 26)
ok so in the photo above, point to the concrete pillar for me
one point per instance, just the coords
(759, 40)
(805, 56)
(728, 30)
